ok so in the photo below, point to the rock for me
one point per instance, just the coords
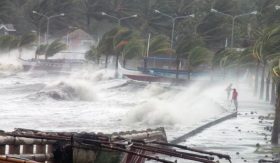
(236, 127)
(239, 130)
(258, 145)
(245, 160)
(252, 112)
(242, 158)
(260, 121)
(240, 139)
(237, 153)
(266, 156)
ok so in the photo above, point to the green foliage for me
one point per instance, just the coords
(246, 58)
(187, 44)
(197, 56)
(93, 54)
(122, 37)
(5, 42)
(133, 48)
(41, 49)
(159, 45)
(268, 45)
(218, 56)
(27, 39)
(55, 47)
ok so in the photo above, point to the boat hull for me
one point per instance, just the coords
(50, 65)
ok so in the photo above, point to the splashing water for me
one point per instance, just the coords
(69, 90)
(174, 108)
(9, 66)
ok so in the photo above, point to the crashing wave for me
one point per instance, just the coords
(69, 91)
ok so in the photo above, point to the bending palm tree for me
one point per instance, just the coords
(123, 36)
(133, 48)
(26, 40)
(197, 56)
(93, 54)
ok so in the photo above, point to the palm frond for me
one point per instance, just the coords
(55, 47)
(27, 39)
(133, 48)
(41, 49)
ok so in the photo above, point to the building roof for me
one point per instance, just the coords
(78, 34)
(8, 27)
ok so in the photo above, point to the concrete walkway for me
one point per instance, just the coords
(239, 137)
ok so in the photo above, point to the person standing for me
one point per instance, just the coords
(228, 89)
(234, 98)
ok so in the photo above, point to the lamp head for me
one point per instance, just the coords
(34, 12)
(134, 16)
(62, 14)
(277, 7)
(103, 13)
(213, 10)
(156, 11)
(254, 12)
(192, 15)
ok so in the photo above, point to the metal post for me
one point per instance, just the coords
(148, 47)
(232, 32)
(48, 30)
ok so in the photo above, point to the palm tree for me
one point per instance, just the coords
(267, 47)
(197, 56)
(133, 48)
(5, 42)
(159, 45)
(54, 48)
(93, 54)
(6, 10)
(41, 50)
(106, 43)
(228, 61)
(184, 48)
(123, 36)
(245, 59)
(26, 40)
(216, 59)
(276, 73)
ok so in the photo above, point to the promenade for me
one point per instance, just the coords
(245, 138)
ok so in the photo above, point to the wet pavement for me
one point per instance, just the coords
(245, 138)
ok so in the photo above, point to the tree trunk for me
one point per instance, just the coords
(145, 64)
(106, 60)
(262, 82)
(124, 63)
(177, 69)
(267, 87)
(257, 79)
(272, 101)
(116, 68)
(98, 59)
(189, 72)
(275, 130)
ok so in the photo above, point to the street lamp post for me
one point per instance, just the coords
(119, 23)
(233, 21)
(173, 20)
(173, 25)
(119, 19)
(48, 18)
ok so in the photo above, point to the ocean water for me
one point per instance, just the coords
(93, 101)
